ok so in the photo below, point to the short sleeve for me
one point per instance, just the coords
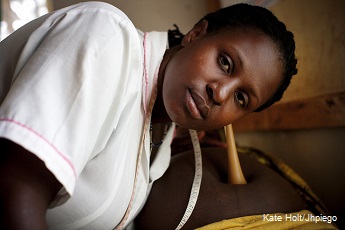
(70, 85)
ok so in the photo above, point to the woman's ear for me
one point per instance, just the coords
(198, 31)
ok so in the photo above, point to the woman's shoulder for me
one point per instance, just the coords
(100, 7)
(93, 12)
(94, 24)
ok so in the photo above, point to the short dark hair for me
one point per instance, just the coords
(260, 18)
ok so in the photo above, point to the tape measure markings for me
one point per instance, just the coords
(196, 181)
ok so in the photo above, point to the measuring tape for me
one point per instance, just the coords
(197, 179)
(197, 153)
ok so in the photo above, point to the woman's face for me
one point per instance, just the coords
(217, 78)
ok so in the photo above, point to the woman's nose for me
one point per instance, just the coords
(219, 92)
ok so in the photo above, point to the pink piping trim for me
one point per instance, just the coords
(44, 139)
(145, 75)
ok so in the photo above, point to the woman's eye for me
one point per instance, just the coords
(241, 99)
(226, 64)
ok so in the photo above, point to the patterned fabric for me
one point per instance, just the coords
(299, 220)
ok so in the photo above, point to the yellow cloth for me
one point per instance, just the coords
(287, 221)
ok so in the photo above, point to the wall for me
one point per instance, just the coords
(316, 154)
(319, 28)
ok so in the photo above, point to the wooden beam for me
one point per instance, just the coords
(318, 112)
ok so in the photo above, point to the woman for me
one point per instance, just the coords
(81, 86)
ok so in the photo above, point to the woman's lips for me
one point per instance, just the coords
(197, 105)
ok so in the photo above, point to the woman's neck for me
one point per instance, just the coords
(159, 113)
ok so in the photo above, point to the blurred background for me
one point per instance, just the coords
(307, 128)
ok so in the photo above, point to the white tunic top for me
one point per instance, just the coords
(74, 90)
